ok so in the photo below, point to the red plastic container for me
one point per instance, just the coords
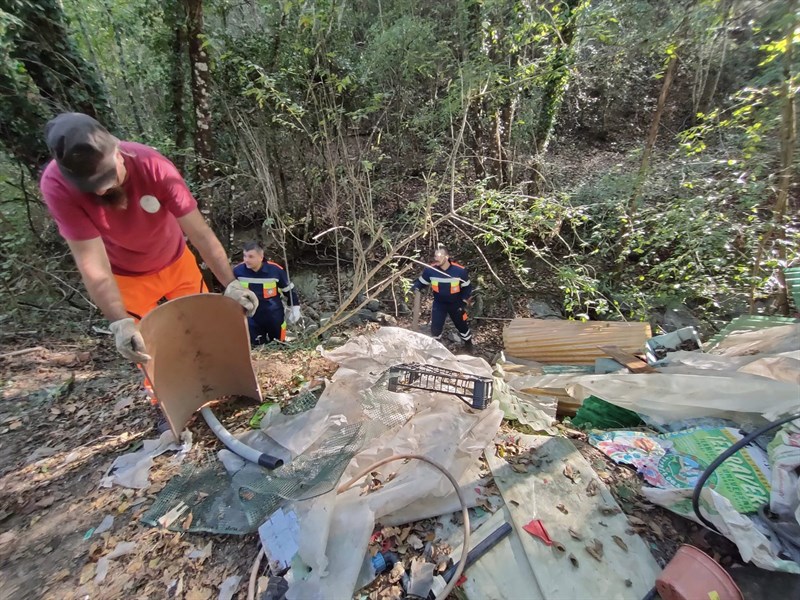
(694, 575)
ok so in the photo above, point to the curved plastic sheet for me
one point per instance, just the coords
(200, 352)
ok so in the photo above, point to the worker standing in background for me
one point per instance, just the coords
(451, 292)
(269, 281)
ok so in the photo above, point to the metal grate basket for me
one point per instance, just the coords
(475, 391)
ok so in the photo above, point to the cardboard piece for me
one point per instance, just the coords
(200, 352)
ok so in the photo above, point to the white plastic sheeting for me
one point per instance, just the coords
(132, 470)
(335, 529)
(753, 545)
(670, 396)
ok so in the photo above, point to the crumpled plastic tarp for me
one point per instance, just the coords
(753, 545)
(132, 470)
(784, 456)
(442, 428)
(670, 396)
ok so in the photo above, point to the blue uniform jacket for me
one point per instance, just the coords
(268, 283)
(449, 286)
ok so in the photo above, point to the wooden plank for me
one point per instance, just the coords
(632, 363)
(562, 503)
(571, 342)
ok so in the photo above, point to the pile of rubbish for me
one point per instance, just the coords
(672, 416)
(528, 516)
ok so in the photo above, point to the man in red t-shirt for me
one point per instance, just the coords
(123, 209)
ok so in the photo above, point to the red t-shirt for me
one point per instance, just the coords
(141, 239)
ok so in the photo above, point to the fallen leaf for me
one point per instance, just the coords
(628, 583)
(519, 468)
(573, 560)
(46, 502)
(15, 425)
(394, 575)
(610, 510)
(404, 534)
(201, 593)
(187, 522)
(575, 535)
(595, 548)
(591, 489)
(7, 537)
(393, 532)
(559, 546)
(619, 542)
(562, 508)
(636, 521)
(414, 541)
(571, 473)
(656, 529)
(87, 573)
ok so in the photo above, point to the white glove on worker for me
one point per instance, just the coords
(294, 315)
(129, 341)
(243, 296)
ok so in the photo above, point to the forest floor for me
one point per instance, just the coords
(69, 406)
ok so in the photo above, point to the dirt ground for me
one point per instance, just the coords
(69, 406)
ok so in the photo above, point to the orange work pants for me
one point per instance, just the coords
(142, 293)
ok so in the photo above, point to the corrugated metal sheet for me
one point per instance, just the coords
(747, 323)
(793, 283)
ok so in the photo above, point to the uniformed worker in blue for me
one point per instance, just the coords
(269, 281)
(451, 292)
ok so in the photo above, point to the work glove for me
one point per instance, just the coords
(129, 341)
(243, 296)
(294, 315)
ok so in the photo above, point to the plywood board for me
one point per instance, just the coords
(537, 494)
(632, 363)
(200, 352)
(571, 342)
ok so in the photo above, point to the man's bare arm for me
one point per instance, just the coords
(207, 244)
(92, 261)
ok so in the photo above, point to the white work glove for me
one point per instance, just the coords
(294, 315)
(129, 341)
(243, 296)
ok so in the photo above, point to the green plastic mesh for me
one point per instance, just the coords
(237, 504)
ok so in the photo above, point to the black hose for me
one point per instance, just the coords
(725, 456)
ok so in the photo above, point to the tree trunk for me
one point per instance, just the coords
(553, 92)
(650, 142)
(788, 133)
(123, 64)
(65, 80)
(42, 71)
(177, 21)
(198, 60)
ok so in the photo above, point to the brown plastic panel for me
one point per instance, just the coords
(200, 352)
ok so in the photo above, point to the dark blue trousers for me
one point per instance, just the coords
(267, 324)
(457, 312)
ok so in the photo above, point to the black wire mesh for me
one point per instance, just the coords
(472, 389)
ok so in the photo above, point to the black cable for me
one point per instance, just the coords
(725, 456)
